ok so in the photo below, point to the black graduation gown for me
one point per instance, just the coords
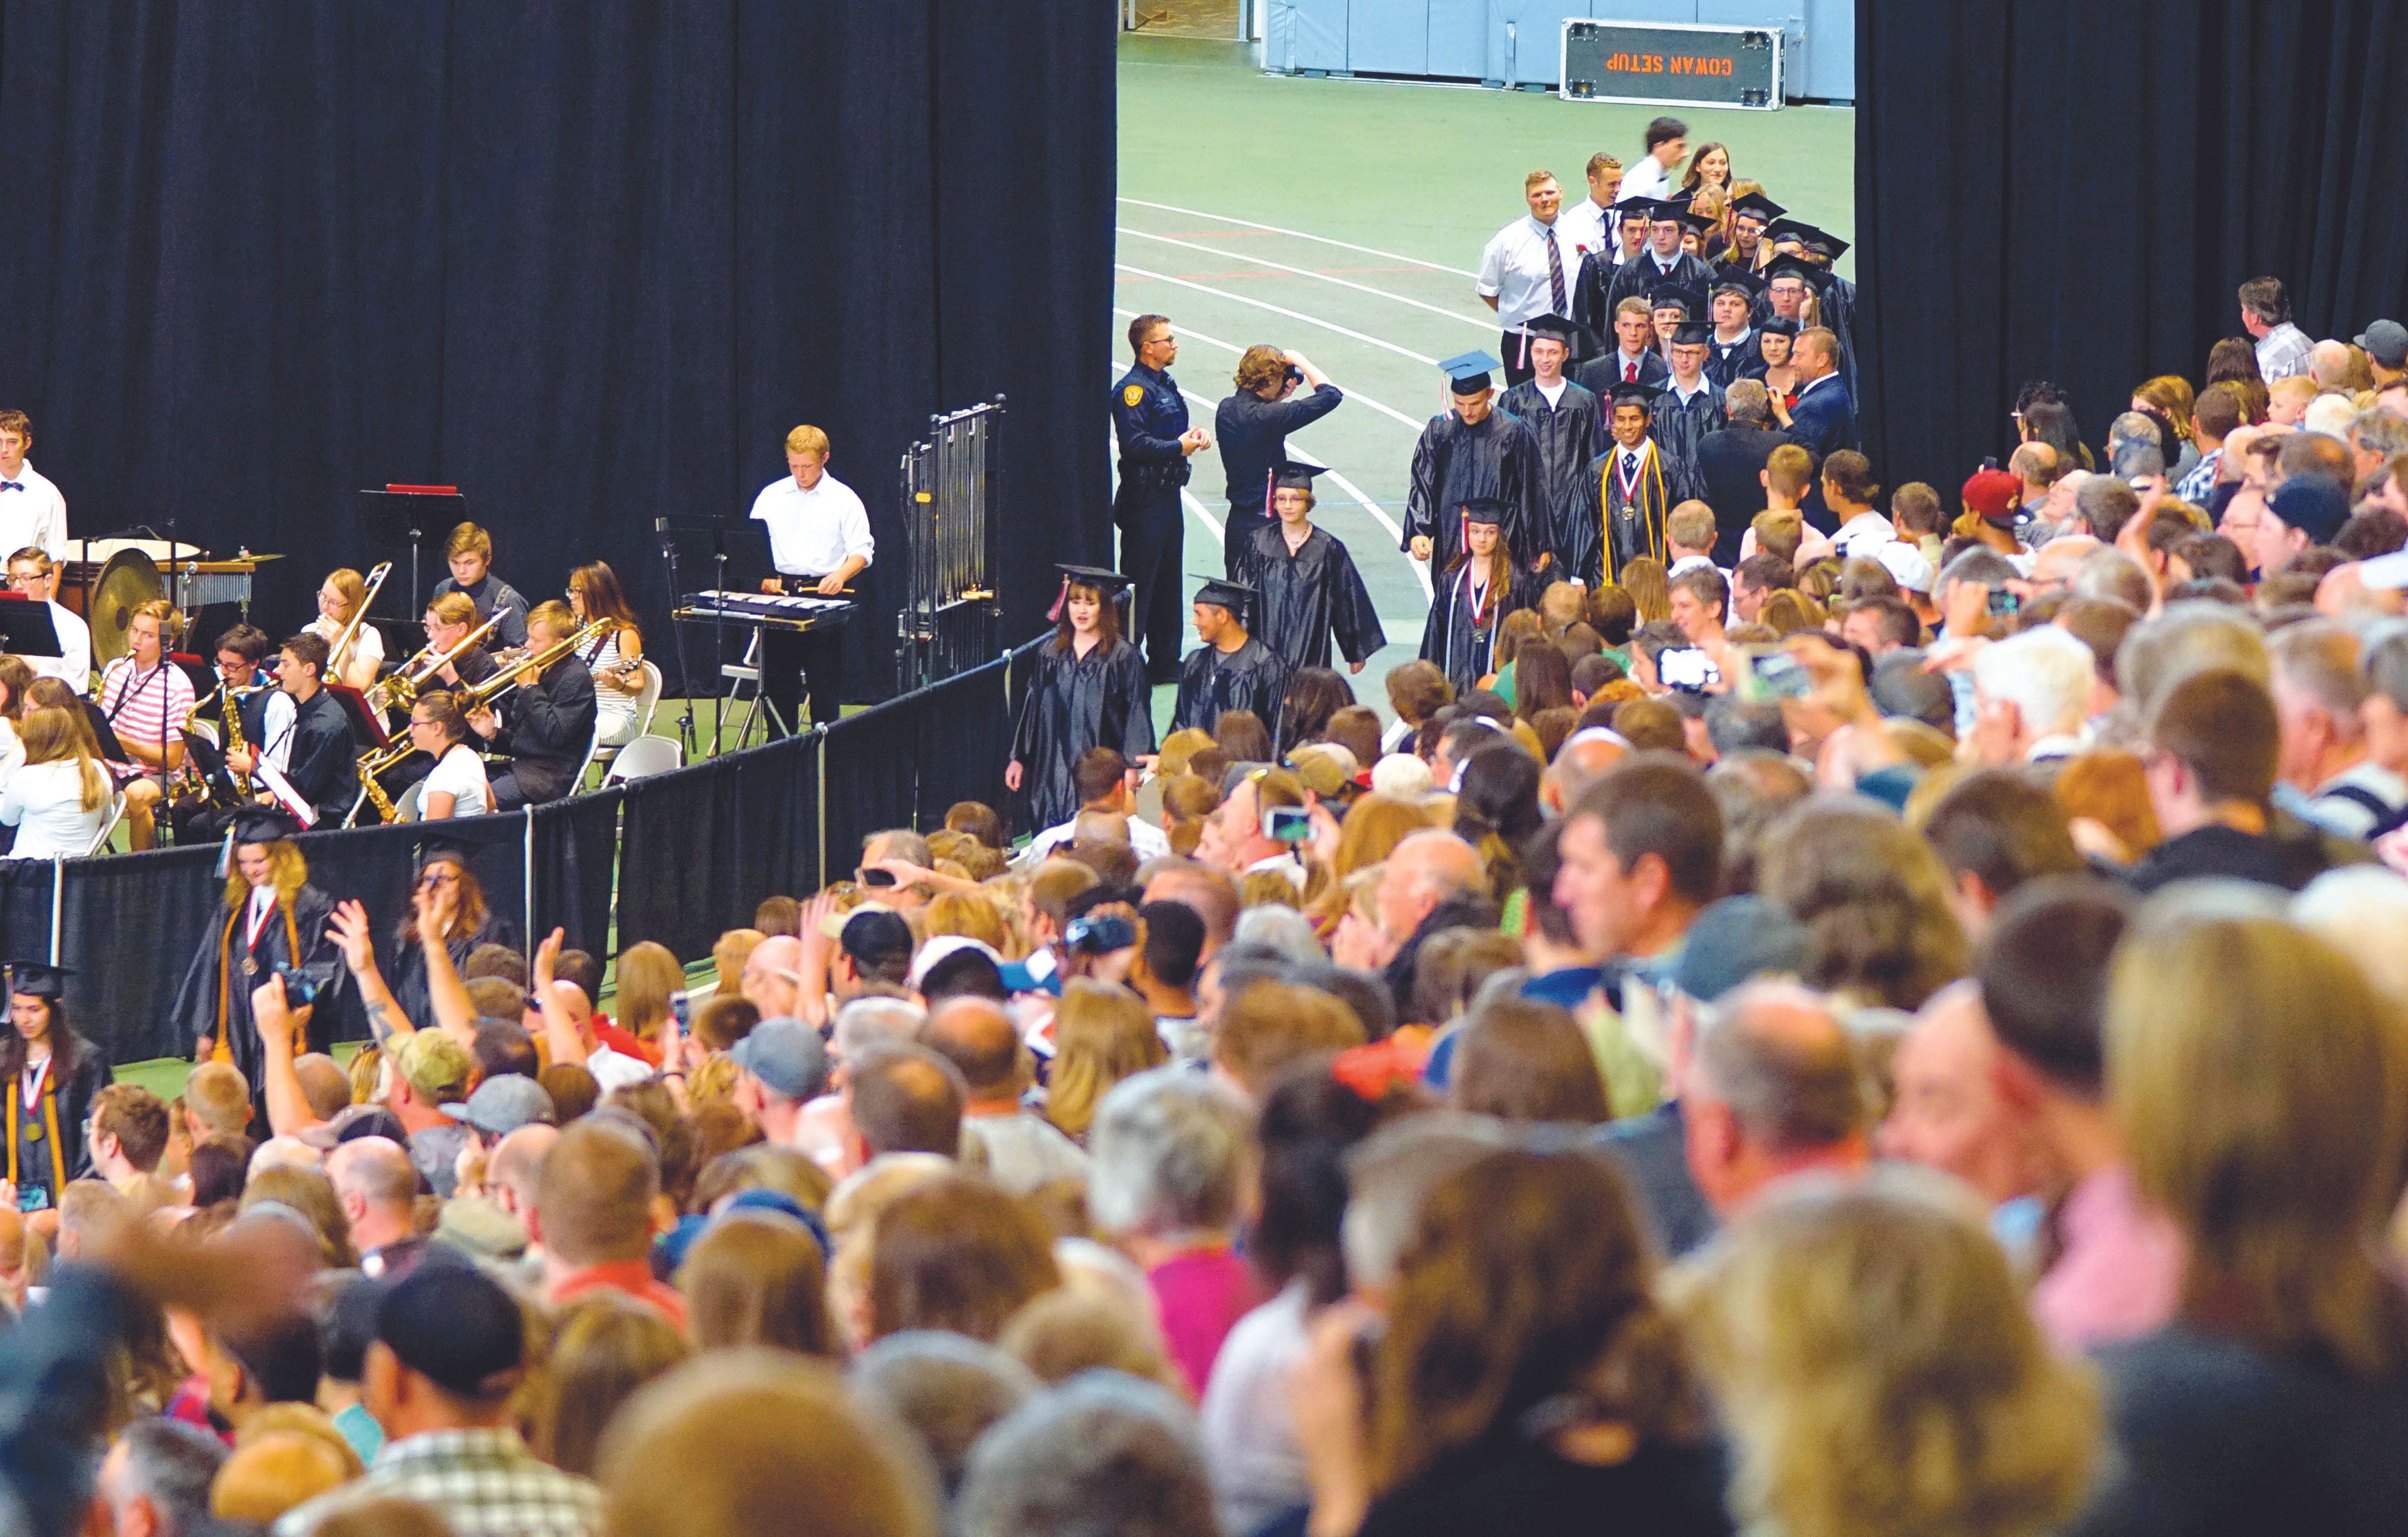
(405, 972)
(1463, 643)
(1074, 703)
(1252, 435)
(1680, 426)
(1641, 278)
(1308, 595)
(1570, 433)
(1635, 519)
(1838, 303)
(1601, 374)
(1249, 678)
(1726, 362)
(1454, 464)
(78, 1071)
(215, 1004)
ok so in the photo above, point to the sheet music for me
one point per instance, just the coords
(286, 796)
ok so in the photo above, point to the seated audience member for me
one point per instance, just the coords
(594, 1216)
(1875, 901)
(1173, 1161)
(1773, 1088)
(1520, 1060)
(758, 1277)
(2214, 746)
(1268, 1025)
(1021, 1149)
(2258, 1081)
(1496, 1402)
(1994, 831)
(1101, 779)
(604, 1350)
(1103, 1035)
(946, 1390)
(1946, 1111)
(955, 1253)
(1869, 1352)
(2327, 774)
(1100, 1453)
(902, 1098)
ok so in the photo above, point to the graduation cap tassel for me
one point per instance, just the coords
(1061, 599)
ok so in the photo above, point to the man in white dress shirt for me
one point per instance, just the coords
(32, 512)
(1668, 145)
(819, 541)
(1529, 269)
(1591, 224)
(33, 573)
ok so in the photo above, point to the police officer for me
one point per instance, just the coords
(1150, 417)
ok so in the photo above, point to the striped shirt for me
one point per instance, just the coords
(148, 707)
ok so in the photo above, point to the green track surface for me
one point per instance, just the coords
(1402, 185)
(1419, 175)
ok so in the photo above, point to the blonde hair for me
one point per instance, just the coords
(970, 914)
(1101, 1034)
(1643, 580)
(350, 586)
(2261, 1088)
(1530, 182)
(1178, 747)
(171, 623)
(807, 439)
(649, 974)
(468, 539)
(52, 735)
(1878, 1371)
(453, 607)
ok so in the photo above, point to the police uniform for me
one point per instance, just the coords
(1149, 417)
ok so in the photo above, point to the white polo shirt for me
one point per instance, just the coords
(812, 532)
(32, 512)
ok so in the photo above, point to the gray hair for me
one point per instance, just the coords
(2109, 572)
(2381, 430)
(1748, 401)
(1172, 1151)
(2138, 456)
(2044, 673)
(1284, 929)
(899, 843)
(2195, 636)
(1104, 1453)
(2384, 659)
(171, 1464)
(2130, 428)
(1392, 1171)
(867, 1022)
(2320, 659)
(1792, 1086)
(947, 1389)
(1981, 566)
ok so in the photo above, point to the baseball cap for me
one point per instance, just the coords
(1994, 494)
(787, 1054)
(1326, 769)
(353, 1121)
(1902, 690)
(504, 1103)
(2313, 505)
(1734, 939)
(947, 944)
(1906, 565)
(2387, 342)
(454, 1325)
(876, 936)
(433, 1064)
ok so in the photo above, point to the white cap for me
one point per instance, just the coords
(1400, 776)
(1906, 565)
(942, 946)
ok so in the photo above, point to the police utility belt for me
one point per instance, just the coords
(1141, 473)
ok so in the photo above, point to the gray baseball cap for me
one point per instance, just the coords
(504, 1103)
(2387, 342)
(786, 1054)
(1734, 939)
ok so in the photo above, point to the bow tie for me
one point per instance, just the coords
(12, 485)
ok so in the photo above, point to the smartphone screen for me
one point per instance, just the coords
(1686, 667)
(1287, 824)
(1777, 675)
(2003, 603)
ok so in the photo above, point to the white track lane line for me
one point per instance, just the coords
(1390, 411)
(1275, 229)
(1279, 310)
(1249, 258)
(1207, 519)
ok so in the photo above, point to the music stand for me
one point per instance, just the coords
(26, 628)
(401, 515)
(741, 542)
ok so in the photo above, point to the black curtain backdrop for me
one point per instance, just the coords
(588, 261)
(703, 847)
(2060, 190)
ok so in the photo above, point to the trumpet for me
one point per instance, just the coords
(400, 688)
(514, 673)
(359, 615)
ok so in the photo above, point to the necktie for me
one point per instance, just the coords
(1555, 270)
(1631, 463)
(1630, 372)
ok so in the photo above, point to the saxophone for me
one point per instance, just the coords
(376, 797)
(232, 715)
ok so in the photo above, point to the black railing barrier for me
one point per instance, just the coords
(678, 857)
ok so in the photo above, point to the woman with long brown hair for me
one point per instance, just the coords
(52, 1076)
(449, 891)
(1527, 1379)
(1086, 689)
(1484, 584)
(1101, 1034)
(617, 660)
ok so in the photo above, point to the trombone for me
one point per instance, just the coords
(400, 688)
(385, 758)
(359, 615)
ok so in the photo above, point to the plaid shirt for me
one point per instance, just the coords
(2283, 351)
(2197, 486)
(484, 1483)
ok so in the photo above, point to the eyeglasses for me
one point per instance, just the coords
(439, 878)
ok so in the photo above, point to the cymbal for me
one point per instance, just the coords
(130, 580)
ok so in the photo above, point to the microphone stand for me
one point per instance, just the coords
(719, 632)
(685, 669)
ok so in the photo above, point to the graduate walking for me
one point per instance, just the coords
(1086, 689)
(1311, 590)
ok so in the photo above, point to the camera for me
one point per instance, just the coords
(1287, 824)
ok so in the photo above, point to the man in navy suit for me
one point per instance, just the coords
(1822, 419)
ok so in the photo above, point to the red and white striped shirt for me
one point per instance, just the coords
(149, 707)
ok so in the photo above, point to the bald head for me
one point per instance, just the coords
(2034, 464)
(375, 1170)
(1208, 893)
(283, 1153)
(324, 1083)
(516, 1163)
(1580, 765)
(1427, 869)
(2059, 558)
(2329, 362)
(771, 974)
(975, 1035)
(1772, 1087)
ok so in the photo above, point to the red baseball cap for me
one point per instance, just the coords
(1995, 494)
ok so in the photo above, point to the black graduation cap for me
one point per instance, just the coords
(1554, 328)
(1467, 373)
(1637, 393)
(38, 979)
(1635, 208)
(1236, 596)
(1693, 334)
(1808, 273)
(1667, 211)
(1758, 206)
(1294, 475)
(1699, 223)
(1664, 295)
(1821, 242)
(1740, 278)
(1485, 510)
(1094, 576)
(264, 824)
